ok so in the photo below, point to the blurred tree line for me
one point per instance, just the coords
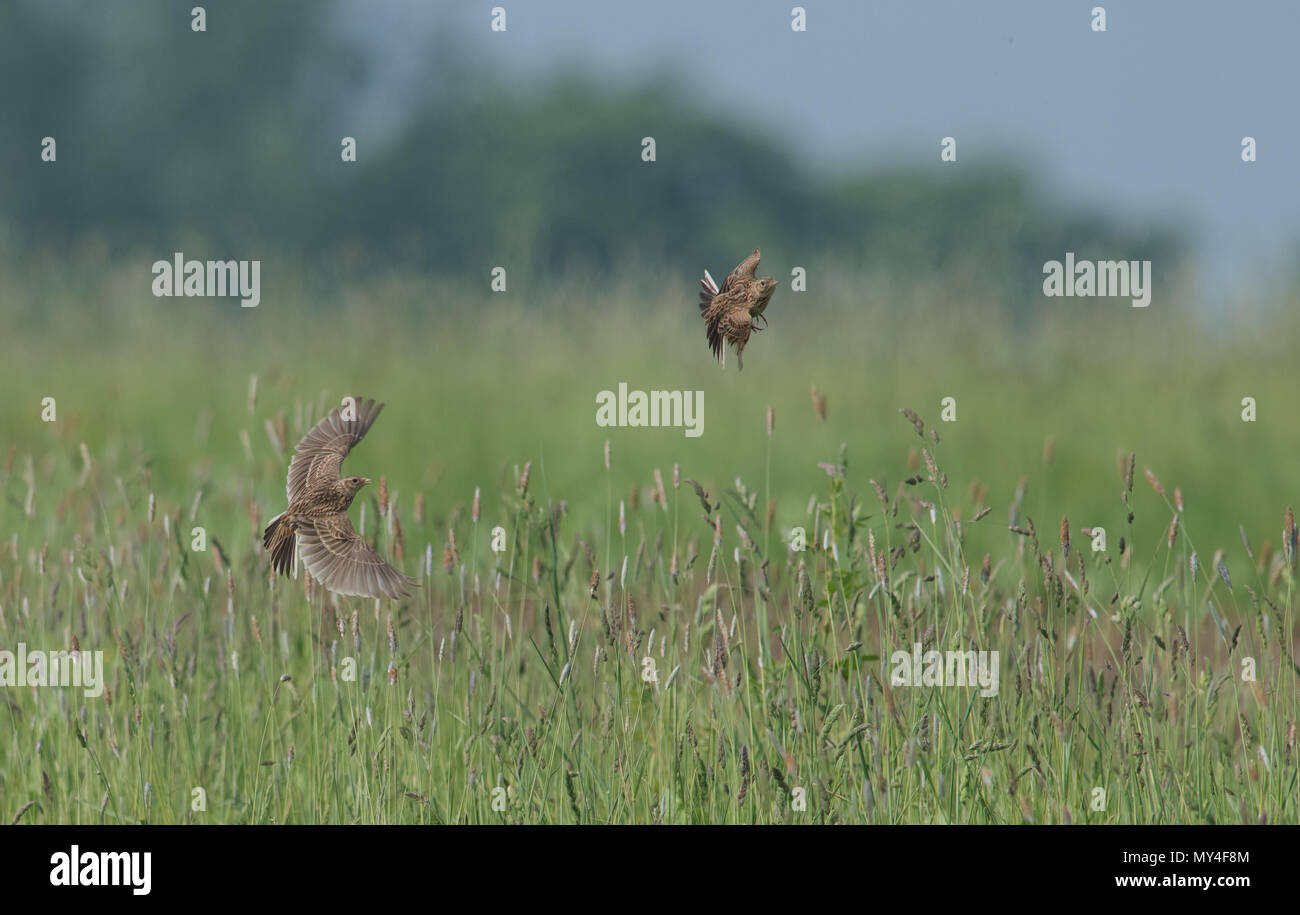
(232, 138)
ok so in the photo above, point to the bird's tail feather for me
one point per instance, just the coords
(279, 541)
(708, 289)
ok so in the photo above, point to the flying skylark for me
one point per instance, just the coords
(332, 550)
(730, 312)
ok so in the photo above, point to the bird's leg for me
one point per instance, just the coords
(740, 363)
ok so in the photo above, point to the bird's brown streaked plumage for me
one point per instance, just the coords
(743, 273)
(333, 552)
(730, 312)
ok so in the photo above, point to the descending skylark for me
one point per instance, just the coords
(730, 312)
(332, 551)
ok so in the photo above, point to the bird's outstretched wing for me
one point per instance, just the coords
(744, 272)
(718, 305)
(715, 341)
(339, 559)
(321, 452)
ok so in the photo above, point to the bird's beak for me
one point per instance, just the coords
(366, 481)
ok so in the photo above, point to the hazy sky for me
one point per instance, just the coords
(1144, 119)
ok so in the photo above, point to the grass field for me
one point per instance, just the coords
(1124, 691)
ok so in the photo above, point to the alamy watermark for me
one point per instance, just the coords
(53, 668)
(946, 668)
(209, 278)
(683, 409)
(103, 868)
(1102, 279)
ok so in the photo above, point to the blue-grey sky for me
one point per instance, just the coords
(1145, 119)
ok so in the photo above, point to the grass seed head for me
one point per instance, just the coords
(818, 402)
(1155, 484)
(914, 419)
(1289, 537)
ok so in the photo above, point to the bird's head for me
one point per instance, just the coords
(766, 286)
(355, 483)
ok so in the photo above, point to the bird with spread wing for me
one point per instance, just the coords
(730, 312)
(317, 516)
